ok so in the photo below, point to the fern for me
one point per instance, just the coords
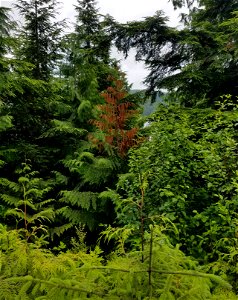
(93, 170)
(63, 127)
(78, 217)
(81, 208)
(28, 272)
(85, 200)
(25, 201)
(5, 120)
(60, 230)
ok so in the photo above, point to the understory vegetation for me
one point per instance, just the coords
(98, 201)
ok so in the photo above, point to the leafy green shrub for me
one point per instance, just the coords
(189, 165)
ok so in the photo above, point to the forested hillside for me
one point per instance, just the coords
(93, 203)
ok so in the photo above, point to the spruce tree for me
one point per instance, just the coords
(25, 96)
(90, 34)
(40, 36)
(26, 92)
(87, 56)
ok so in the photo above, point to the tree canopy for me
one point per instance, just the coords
(197, 63)
(98, 201)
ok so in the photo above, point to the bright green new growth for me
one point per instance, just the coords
(27, 272)
(25, 202)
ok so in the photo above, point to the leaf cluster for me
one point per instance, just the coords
(189, 166)
(38, 274)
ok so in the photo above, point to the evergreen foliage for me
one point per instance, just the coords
(38, 274)
(24, 201)
(5, 123)
(113, 121)
(197, 63)
(181, 3)
(5, 120)
(69, 125)
(40, 41)
(90, 34)
(6, 25)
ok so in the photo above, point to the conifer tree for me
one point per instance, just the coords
(24, 92)
(6, 43)
(5, 123)
(113, 121)
(90, 35)
(198, 63)
(5, 26)
(27, 100)
(178, 4)
(88, 61)
(40, 36)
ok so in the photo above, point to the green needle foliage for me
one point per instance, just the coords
(197, 63)
(40, 38)
(27, 272)
(24, 203)
(6, 25)
(5, 120)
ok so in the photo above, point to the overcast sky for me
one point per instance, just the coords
(123, 11)
(126, 10)
(129, 10)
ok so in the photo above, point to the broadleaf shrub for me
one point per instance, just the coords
(190, 164)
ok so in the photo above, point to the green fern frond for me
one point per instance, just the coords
(87, 157)
(60, 178)
(23, 180)
(63, 127)
(44, 215)
(44, 203)
(15, 187)
(27, 203)
(84, 109)
(98, 172)
(28, 272)
(109, 194)
(72, 164)
(2, 163)
(34, 192)
(70, 214)
(85, 200)
(58, 231)
(14, 212)
(78, 217)
(5, 122)
(10, 200)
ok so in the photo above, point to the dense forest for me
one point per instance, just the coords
(97, 200)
